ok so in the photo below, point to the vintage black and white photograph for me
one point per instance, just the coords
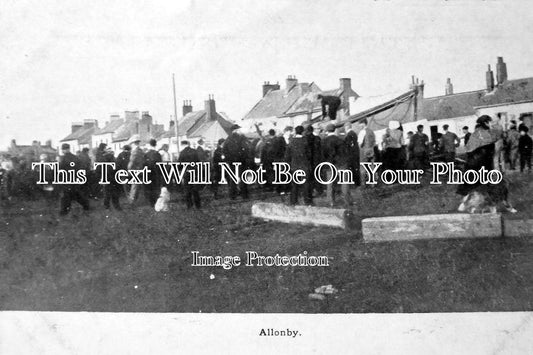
(287, 157)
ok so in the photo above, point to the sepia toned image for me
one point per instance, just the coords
(266, 157)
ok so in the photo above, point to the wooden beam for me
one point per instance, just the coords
(316, 216)
(442, 226)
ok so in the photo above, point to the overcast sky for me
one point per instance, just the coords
(65, 61)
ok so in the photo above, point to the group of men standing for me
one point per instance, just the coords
(304, 150)
(132, 157)
(300, 147)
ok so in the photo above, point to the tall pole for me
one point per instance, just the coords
(175, 114)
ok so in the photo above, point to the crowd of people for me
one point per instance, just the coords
(301, 147)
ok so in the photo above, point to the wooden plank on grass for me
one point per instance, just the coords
(316, 216)
(437, 226)
(518, 227)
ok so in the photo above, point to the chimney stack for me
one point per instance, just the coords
(489, 77)
(501, 71)
(131, 115)
(76, 126)
(448, 90)
(290, 82)
(210, 108)
(90, 123)
(267, 87)
(187, 107)
(144, 127)
(114, 117)
(345, 83)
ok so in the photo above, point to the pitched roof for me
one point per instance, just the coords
(277, 102)
(82, 135)
(301, 98)
(195, 123)
(448, 106)
(204, 124)
(131, 127)
(307, 102)
(125, 131)
(465, 103)
(110, 127)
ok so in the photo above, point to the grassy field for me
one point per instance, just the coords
(139, 260)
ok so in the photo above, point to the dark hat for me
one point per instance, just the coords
(126, 147)
(483, 119)
(65, 146)
(153, 142)
(102, 146)
(221, 140)
(184, 142)
(200, 141)
(523, 128)
(235, 126)
(299, 129)
(330, 127)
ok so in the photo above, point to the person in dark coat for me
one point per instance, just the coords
(122, 164)
(336, 153)
(267, 157)
(236, 150)
(466, 134)
(419, 149)
(216, 170)
(299, 156)
(512, 141)
(332, 102)
(123, 158)
(449, 142)
(192, 194)
(151, 158)
(352, 146)
(136, 162)
(315, 146)
(279, 145)
(202, 153)
(70, 192)
(479, 151)
(111, 190)
(85, 159)
(95, 190)
(525, 146)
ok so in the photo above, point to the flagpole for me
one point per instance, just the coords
(175, 114)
